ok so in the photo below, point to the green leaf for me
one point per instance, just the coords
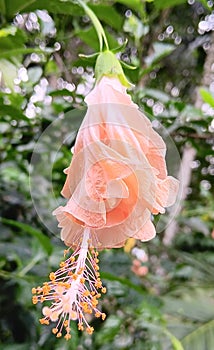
(15, 346)
(109, 330)
(34, 74)
(53, 6)
(7, 31)
(11, 38)
(201, 338)
(156, 94)
(136, 5)
(19, 51)
(207, 96)
(89, 36)
(123, 281)
(43, 240)
(160, 50)
(2, 7)
(205, 4)
(175, 342)
(109, 15)
(195, 309)
(8, 72)
(12, 111)
(63, 92)
(135, 27)
(51, 68)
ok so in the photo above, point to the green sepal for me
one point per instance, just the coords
(82, 55)
(128, 66)
(107, 64)
(121, 47)
(91, 58)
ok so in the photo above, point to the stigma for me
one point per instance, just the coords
(73, 291)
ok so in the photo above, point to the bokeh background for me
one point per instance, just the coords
(160, 294)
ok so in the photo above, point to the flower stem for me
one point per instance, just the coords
(96, 23)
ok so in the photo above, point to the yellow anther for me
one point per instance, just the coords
(54, 330)
(62, 264)
(86, 293)
(52, 276)
(103, 290)
(39, 290)
(82, 280)
(89, 330)
(98, 284)
(46, 289)
(34, 290)
(80, 326)
(103, 316)
(88, 311)
(65, 323)
(98, 314)
(67, 336)
(72, 259)
(94, 302)
(74, 277)
(59, 335)
(35, 299)
(41, 320)
(44, 321)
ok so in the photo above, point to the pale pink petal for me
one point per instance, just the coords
(116, 188)
(167, 191)
(147, 232)
(109, 90)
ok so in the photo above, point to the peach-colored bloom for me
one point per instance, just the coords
(116, 180)
(118, 176)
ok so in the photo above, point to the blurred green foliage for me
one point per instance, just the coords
(43, 84)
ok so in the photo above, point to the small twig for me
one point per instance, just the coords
(193, 135)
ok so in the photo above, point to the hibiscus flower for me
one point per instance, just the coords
(117, 177)
(116, 181)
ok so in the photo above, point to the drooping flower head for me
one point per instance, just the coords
(116, 180)
(118, 176)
